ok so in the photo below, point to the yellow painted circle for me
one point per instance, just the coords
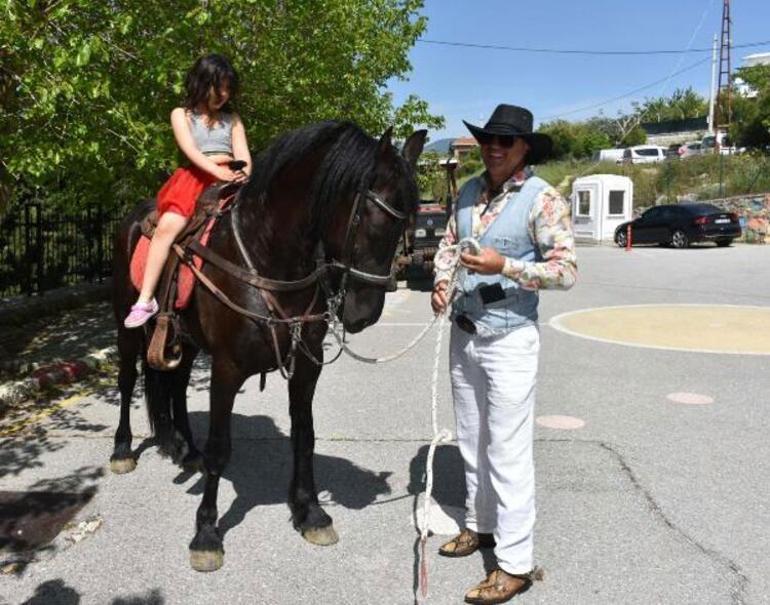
(700, 328)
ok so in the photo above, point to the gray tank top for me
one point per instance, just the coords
(218, 139)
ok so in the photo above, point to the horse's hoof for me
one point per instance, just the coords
(193, 463)
(121, 466)
(321, 536)
(207, 560)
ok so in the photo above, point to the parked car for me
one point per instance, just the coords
(672, 151)
(608, 155)
(680, 225)
(726, 146)
(643, 154)
(420, 242)
(690, 149)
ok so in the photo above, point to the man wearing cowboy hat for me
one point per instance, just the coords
(526, 243)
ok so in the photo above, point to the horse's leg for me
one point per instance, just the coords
(189, 456)
(206, 551)
(308, 516)
(129, 347)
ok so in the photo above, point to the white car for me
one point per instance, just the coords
(608, 155)
(690, 149)
(643, 154)
(725, 145)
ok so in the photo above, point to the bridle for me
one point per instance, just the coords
(347, 264)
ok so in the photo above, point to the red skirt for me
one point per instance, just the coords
(181, 190)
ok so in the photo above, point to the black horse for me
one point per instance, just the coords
(326, 196)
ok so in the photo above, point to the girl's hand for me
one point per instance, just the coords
(224, 174)
(488, 262)
(240, 176)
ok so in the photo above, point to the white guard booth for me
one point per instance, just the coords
(600, 203)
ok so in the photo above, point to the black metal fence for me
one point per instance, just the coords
(671, 126)
(42, 249)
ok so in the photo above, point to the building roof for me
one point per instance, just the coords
(465, 142)
(756, 59)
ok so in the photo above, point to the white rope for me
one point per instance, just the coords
(374, 360)
(447, 259)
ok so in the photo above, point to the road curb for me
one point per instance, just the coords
(54, 374)
(21, 308)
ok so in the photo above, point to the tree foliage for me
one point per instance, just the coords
(581, 139)
(86, 87)
(684, 103)
(751, 113)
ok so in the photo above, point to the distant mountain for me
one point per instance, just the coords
(439, 146)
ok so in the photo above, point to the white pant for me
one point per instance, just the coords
(493, 384)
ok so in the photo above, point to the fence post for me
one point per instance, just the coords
(27, 252)
(40, 250)
(100, 242)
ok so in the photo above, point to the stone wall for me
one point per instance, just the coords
(753, 211)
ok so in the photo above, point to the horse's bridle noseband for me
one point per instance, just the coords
(350, 235)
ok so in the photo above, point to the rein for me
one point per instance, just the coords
(265, 286)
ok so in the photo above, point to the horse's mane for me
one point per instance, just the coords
(347, 163)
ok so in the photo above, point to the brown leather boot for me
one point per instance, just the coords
(499, 587)
(466, 543)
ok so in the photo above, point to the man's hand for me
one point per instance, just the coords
(488, 262)
(438, 299)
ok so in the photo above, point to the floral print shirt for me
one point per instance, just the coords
(550, 227)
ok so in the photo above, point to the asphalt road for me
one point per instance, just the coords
(651, 501)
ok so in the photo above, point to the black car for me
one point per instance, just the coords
(680, 225)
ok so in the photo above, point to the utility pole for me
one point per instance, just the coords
(724, 103)
(712, 90)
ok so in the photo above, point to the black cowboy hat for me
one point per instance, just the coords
(510, 120)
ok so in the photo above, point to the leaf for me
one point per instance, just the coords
(84, 55)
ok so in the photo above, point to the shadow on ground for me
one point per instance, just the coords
(261, 466)
(69, 334)
(56, 592)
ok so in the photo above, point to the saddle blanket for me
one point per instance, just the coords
(185, 278)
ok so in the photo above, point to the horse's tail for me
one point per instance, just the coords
(157, 398)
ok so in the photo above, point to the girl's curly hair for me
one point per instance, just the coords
(211, 70)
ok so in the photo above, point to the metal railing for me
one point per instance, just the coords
(43, 248)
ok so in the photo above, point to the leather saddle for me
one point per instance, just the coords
(165, 350)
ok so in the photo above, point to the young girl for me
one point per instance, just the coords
(210, 134)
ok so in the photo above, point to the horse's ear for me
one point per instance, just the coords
(385, 142)
(413, 147)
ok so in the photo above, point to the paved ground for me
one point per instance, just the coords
(651, 501)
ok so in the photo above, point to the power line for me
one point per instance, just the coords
(630, 93)
(563, 51)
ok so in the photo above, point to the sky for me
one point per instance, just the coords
(467, 83)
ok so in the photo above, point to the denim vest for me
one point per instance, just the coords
(509, 235)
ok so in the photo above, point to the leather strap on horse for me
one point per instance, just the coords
(251, 277)
(156, 351)
(235, 306)
(295, 323)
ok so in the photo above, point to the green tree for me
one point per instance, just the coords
(751, 113)
(563, 135)
(622, 130)
(576, 139)
(684, 103)
(86, 87)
